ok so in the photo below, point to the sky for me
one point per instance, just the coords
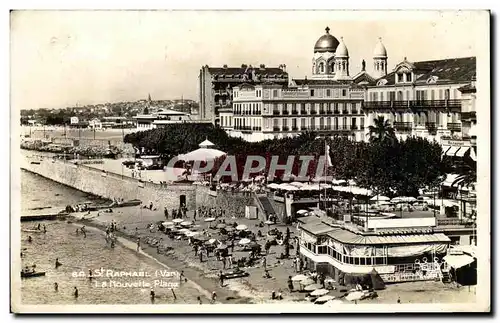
(64, 58)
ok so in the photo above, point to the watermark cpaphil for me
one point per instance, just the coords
(245, 167)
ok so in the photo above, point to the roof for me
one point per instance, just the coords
(206, 143)
(468, 88)
(242, 70)
(320, 82)
(317, 228)
(171, 112)
(458, 70)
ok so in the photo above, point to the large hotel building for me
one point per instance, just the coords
(432, 99)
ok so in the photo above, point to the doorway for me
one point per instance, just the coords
(182, 201)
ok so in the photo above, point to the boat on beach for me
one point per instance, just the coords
(32, 274)
(32, 230)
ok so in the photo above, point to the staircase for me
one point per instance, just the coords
(265, 207)
(446, 277)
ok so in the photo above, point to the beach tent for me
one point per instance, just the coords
(380, 198)
(273, 186)
(377, 281)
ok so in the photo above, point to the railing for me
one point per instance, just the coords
(285, 128)
(313, 112)
(336, 112)
(403, 126)
(405, 104)
(275, 112)
(295, 112)
(303, 112)
(295, 128)
(345, 111)
(321, 111)
(285, 112)
(454, 126)
(354, 127)
(276, 129)
(460, 222)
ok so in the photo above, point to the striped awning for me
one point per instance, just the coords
(462, 151)
(445, 149)
(452, 151)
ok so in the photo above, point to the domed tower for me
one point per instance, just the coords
(323, 63)
(379, 60)
(342, 61)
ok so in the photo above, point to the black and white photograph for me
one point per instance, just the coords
(305, 161)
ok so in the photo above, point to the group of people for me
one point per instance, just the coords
(177, 214)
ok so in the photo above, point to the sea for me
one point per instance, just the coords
(120, 274)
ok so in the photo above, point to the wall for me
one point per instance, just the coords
(232, 203)
(91, 180)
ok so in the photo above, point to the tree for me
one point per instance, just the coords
(381, 131)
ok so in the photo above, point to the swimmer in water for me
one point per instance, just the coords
(30, 239)
(44, 229)
(90, 275)
(152, 295)
(39, 227)
(56, 287)
(58, 263)
(75, 292)
(77, 230)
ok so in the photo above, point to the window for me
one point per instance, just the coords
(344, 92)
(303, 123)
(432, 95)
(447, 94)
(381, 96)
(362, 261)
(328, 92)
(399, 78)
(408, 77)
(313, 123)
(312, 92)
(362, 122)
(275, 93)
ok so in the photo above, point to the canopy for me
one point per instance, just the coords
(307, 282)
(244, 241)
(450, 178)
(192, 234)
(167, 224)
(202, 154)
(269, 222)
(458, 261)
(210, 241)
(319, 292)
(220, 226)
(380, 198)
(186, 223)
(311, 287)
(299, 277)
(206, 143)
(209, 219)
(354, 296)
(183, 230)
(403, 199)
(287, 187)
(273, 186)
(177, 221)
(302, 212)
(333, 302)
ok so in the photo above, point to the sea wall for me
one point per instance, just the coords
(109, 185)
(232, 202)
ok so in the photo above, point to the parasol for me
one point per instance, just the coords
(220, 226)
(354, 296)
(209, 219)
(269, 222)
(308, 281)
(183, 230)
(244, 241)
(241, 227)
(192, 234)
(229, 228)
(324, 299)
(176, 221)
(298, 278)
(333, 302)
(186, 223)
(302, 212)
(312, 287)
(210, 241)
(168, 224)
(319, 292)
(222, 246)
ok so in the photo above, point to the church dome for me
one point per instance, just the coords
(342, 49)
(326, 43)
(380, 50)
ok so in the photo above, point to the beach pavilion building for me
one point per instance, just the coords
(399, 249)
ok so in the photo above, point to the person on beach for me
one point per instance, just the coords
(199, 300)
(90, 275)
(30, 239)
(181, 276)
(138, 244)
(264, 263)
(230, 261)
(77, 231)
(195, 247)
(290, 283)
(39, 226)
(58, 263)
(152, 295)
(214, 296)
(201, 255)
(165, 212)
(44, 229)
(56, 287)
(223, 262)
(75, 292)
(399, 300)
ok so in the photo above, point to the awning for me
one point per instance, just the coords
(452, 151)
(458, 261)
(450, 178)
(462, 151)
(473, 154)
(445, 149)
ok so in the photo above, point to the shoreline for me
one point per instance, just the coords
(196, 277)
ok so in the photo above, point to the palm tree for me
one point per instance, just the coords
(381, 131)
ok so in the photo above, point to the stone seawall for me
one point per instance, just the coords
(232, 202)
(109, 185)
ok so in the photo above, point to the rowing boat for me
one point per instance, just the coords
(32, 274)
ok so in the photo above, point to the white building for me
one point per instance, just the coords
(162, 117)
(73, 120)
(95, 124)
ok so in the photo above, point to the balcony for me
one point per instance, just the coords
(456, 126)
(313, 112)
(345, 111)
(295, 128)
(413, 104)
(469, 115)
(285, 112)
(354, 127)
(328, 111)
(295, 112)
(336, 112)
(403, 126)
(303, 112)
(276, 129)
(285, 128)
(321, 111)
(276, 113)
(431, 127)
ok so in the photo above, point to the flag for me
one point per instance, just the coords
(327, 156)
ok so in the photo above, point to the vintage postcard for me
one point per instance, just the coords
(250, 161)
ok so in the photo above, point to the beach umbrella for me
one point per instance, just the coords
(220, 226)
(323, 299)
(298, 278)
(186, 233)
(176, 221)
(244, 241)
(302, 212)
(183, 230)
(192, 234)
(201, 238)
(209, 219)
(211, 241)
(168, 224)
(229, 228)
(186, 223)
(269, 222)
(354, 296)
(310, 287)
(222, 246)
(241, 227)
(380, 198)
(319, 292)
